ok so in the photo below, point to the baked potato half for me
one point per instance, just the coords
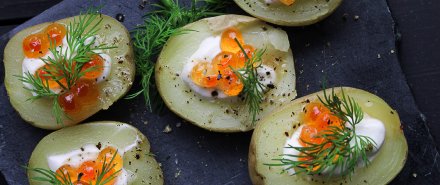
(215, 114)
(116, 84)
(270, 135)
(62, 146)
(300, 13)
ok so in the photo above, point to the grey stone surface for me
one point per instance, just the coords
(341, 49)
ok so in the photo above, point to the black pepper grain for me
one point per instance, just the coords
(120, 17)
(214, 93)
(99, 145)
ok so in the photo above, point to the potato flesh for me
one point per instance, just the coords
(223, 115)
(146, 170)
(269, 138)
(301, 13)
(38, 113)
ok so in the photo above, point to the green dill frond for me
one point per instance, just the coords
(253, 88)
(51, 177)
(342, 147)
(159, 25)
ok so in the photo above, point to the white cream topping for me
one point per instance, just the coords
(270, 1)
(368, 126)
(122, 178)
(31, 65)
(73, 158)
(266, 75)
(207, 51)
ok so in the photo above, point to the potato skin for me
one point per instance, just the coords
(220, 115)
(38, 113)
(145, 167)
(270, 131)
(301, 13)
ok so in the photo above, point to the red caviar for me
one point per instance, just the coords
(36, 45)
(94, 68)
(228, 42)
(317, 119)
(90, 170)
(204, 75)
(249, 50)
(225, 60)
(56, 33)
(287, 2)
(219, 73)
(67, 172)
(45, 73)
(83, 93)
(68, 102)
(230, 84)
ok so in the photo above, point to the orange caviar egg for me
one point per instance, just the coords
(310, 134)
(230, 84)
(56, 33)
(219, 72)
(94, 68)
(317, 118)
(80, 183)
(83, 93)
(86, 91)
(107, 155)
(89, 171)
(45, 73)
(68, 102)
(204, 74)
(249, 50)
(35, 45)
(67, 172)
(227, 60)
(228, 42)
(107, 175)
(287, 2)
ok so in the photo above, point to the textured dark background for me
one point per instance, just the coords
(342, 48)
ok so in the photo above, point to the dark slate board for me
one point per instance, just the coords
(342, 49)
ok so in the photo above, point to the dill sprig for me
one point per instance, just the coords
(65, 65)
(104, 176)
(342, 147)
(51, 177)
(159, 25)
(248, 75)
